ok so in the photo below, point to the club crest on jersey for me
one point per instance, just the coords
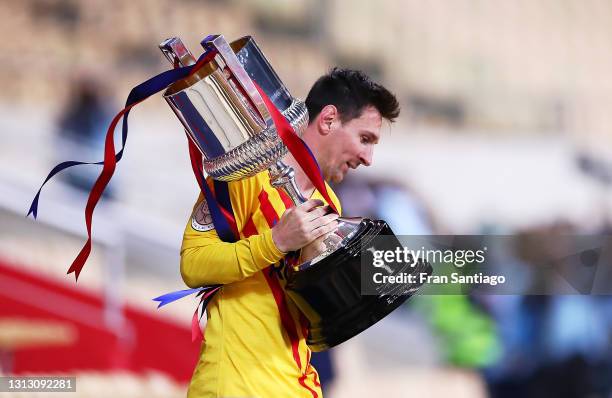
(202, 220)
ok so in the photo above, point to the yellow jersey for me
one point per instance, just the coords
(255, 336)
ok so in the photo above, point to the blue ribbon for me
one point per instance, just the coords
(138, 94)
(225, 232)
(170, 297)
(222, 198)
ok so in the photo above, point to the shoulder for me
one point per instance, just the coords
(201, 220)
(241, 193)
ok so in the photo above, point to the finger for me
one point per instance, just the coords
(316, 213)
(321, 221)
(310, 204)
(325, 229)
(324, 220)
(325, 209)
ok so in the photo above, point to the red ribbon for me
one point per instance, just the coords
(96, 192)
(196, 331)
(196, 166)
(298, 148)
(294, 143)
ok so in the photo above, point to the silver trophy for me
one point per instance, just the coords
(226, 118)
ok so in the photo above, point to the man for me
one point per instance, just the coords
(255, 336)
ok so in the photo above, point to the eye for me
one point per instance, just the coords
(365, 139)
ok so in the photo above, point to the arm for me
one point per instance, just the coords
(205, 259)
(213, 261)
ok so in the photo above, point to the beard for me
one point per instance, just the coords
(336, 176)
(333, 171)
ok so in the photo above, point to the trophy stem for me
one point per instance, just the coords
(283, 176)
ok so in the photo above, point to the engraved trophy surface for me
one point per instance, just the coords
(226, 118)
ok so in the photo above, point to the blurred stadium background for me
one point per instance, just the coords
(505, 128)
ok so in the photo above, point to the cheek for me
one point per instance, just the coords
(334, 151)
(355, 148)
(344, 148)
(329, 158)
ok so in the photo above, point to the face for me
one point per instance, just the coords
(351, 144)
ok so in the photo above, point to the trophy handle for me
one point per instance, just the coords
(224, 50)
(175, 51)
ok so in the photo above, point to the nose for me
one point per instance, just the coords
(365, 157)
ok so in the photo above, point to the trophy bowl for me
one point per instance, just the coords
(224, 114)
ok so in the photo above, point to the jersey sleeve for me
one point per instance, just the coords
(206, 259)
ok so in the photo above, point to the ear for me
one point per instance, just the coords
(328, 119)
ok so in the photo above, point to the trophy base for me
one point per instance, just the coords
(328, 291)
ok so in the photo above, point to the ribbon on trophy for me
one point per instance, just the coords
(137, 95)
(206, 294)
(219, 203)
(298, 148)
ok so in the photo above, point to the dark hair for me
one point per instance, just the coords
(350, 91)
